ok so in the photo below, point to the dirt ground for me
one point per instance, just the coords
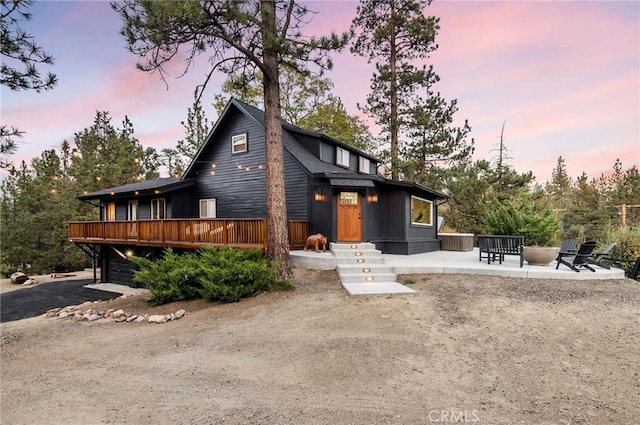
(465, 349)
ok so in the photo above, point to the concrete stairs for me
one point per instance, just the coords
(362, 270)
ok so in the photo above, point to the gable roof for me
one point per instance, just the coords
(304, 156)
(290, 143)
(164, 185)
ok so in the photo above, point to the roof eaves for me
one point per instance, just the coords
(137, 189)
(242, 107)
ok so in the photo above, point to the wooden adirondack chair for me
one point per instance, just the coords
(579, 258)
(597, 257)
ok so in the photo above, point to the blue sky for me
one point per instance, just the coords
(565, 76)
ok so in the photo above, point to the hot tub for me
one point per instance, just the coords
(456, 241)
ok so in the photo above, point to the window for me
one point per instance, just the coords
(158, 209)
(239, 143)
(132, 211)
(110, 211)
(207, 208)
(342, 157)
(349, 198)
(421, 211)
(365, 165)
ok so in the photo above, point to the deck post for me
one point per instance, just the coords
(264, 235)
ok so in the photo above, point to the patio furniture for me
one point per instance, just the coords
(635, 270)
(495, 247)
(579, 258)
(597, 257)
(569, 246)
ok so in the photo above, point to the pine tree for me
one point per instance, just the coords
(21, 57)
(242, 37)
(393, 34)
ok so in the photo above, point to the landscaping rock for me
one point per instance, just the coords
(85, 312)
(157, 318)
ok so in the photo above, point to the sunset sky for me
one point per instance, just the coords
(565, 76)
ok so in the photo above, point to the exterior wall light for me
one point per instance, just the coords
(372, 198)
(318, 196)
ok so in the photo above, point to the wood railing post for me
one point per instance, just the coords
(265, 234)
(225, 236)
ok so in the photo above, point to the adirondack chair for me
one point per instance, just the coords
(597, 257)
(579, 258)
(568, 248)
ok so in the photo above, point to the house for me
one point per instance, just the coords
(331, 188)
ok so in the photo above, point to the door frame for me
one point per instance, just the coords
(355, 220)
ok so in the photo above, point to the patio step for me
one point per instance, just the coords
(363, 250)
(362, 270)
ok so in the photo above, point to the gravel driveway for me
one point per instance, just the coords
(465, 349)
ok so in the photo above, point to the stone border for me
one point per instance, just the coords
(85, 312)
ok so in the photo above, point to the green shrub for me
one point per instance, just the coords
(627, 248)
(522, 217)
(224, 275)
(170, 278)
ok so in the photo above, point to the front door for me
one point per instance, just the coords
(349, 217)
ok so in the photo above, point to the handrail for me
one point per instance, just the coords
(180, 232)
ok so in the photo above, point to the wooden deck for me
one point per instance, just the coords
(184, 233)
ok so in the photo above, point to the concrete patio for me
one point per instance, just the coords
(456, 262)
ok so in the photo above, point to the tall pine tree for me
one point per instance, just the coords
(241, 37)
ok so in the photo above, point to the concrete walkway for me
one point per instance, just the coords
(450, 262)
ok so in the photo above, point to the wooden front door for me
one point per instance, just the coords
(349, 217)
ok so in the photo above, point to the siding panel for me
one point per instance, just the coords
(239, 192)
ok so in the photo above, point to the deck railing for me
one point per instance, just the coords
(186, 233)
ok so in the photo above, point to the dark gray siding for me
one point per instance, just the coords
(398, 236)
(181, 205)
(327, 153)
(297, 189)
(371, 214)
(239, 193)
(393, 220)
(322, 217)
(144, 209)
(121, 211)
(310, 143)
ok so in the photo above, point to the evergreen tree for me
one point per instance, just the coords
(21, 57)
(242, 37)
(472, 187)
(392, 34)
(434, 147)
(107, 157)
(586, 214)
(39, 200)
(196, 130)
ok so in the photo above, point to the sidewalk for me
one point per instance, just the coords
(450, 262)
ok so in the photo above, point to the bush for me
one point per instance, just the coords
(170, 278)
(522, 217)
(627, 248)
(224, 275)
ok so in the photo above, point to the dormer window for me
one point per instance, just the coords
(239, 143)
(365, 166)
(342, 157)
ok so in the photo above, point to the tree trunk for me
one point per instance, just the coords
(277, 230)
(394, 127)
